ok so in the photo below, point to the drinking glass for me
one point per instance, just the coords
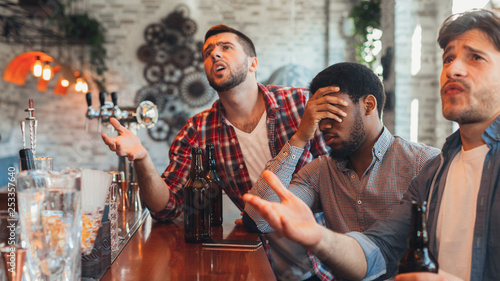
(44, 163)
(50, 209)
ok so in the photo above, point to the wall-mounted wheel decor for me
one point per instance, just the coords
(173, 71)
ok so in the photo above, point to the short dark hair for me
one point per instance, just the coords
(247, 44)
(354, 79)
(480, 19)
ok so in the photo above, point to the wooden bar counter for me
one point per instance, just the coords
(157, 251)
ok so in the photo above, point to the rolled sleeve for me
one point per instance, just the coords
(283, 165)
(375, 260)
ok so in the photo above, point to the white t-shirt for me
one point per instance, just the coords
(256, 152)
(255, 148)
(457, 215)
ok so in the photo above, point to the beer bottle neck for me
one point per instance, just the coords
(418, 233)
(196, 164)
(210, 159)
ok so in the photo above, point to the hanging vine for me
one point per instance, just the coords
(366, 19)
(89, 31)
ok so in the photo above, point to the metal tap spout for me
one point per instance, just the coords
(91, 113)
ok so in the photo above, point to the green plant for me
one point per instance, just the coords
(82, 29)
(366, 18)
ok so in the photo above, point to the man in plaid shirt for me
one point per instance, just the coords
(249, 125)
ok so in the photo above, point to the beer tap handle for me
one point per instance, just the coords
(114, 98)
(116, 111)
(90, 110)
(102, 97)
(88, 97)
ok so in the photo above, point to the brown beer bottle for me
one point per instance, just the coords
(418, 258)
(196, 202)
(215, 187)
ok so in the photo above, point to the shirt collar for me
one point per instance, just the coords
(492, 133)
(491, 136)
(271, 105)
(379, 148)
(382, 144)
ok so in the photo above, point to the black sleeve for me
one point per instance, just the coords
(250, 224)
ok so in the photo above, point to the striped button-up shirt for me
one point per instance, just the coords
(349, 203)
(284, 107)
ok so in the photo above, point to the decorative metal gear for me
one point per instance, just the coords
(153, 94)
(182, 57)
(182, 9)
(198, 62)
(171, 91)
(161, 56)
(189, 27)
(176, 123)
(167, 91)
(195, 90)
(172, 38)
(154, 33)
(174, 68)
(161, 131)
(153, 73)
(172, 74)
(174, 20)
(146, 53)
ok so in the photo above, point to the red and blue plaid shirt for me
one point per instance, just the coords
(284, 105)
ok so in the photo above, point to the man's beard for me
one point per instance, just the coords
(473, 113)
(356, 139)
(233, 81)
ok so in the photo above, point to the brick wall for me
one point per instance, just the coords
(284, 32)
(424, 85)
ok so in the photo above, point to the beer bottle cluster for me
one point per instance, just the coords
(202, 196)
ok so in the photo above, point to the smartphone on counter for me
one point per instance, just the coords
(249, 244)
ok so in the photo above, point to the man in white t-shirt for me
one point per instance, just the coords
(461, 186)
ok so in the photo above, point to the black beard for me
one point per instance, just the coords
(232, 82)
(356, 139)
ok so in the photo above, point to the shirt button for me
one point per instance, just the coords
(285, 153)
(359, 202)
(241, 166)
(233, 140)
(293, 156)
(379, 154)
(352, 176)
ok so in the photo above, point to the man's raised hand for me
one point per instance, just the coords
(322, 105)
(292, 218)
(126, 143)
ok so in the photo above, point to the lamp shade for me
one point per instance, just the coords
(19, 67)
(42, 83)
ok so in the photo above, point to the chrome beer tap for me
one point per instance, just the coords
(91, 113)
(104, 112)
(145, 115)
(115, 111)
